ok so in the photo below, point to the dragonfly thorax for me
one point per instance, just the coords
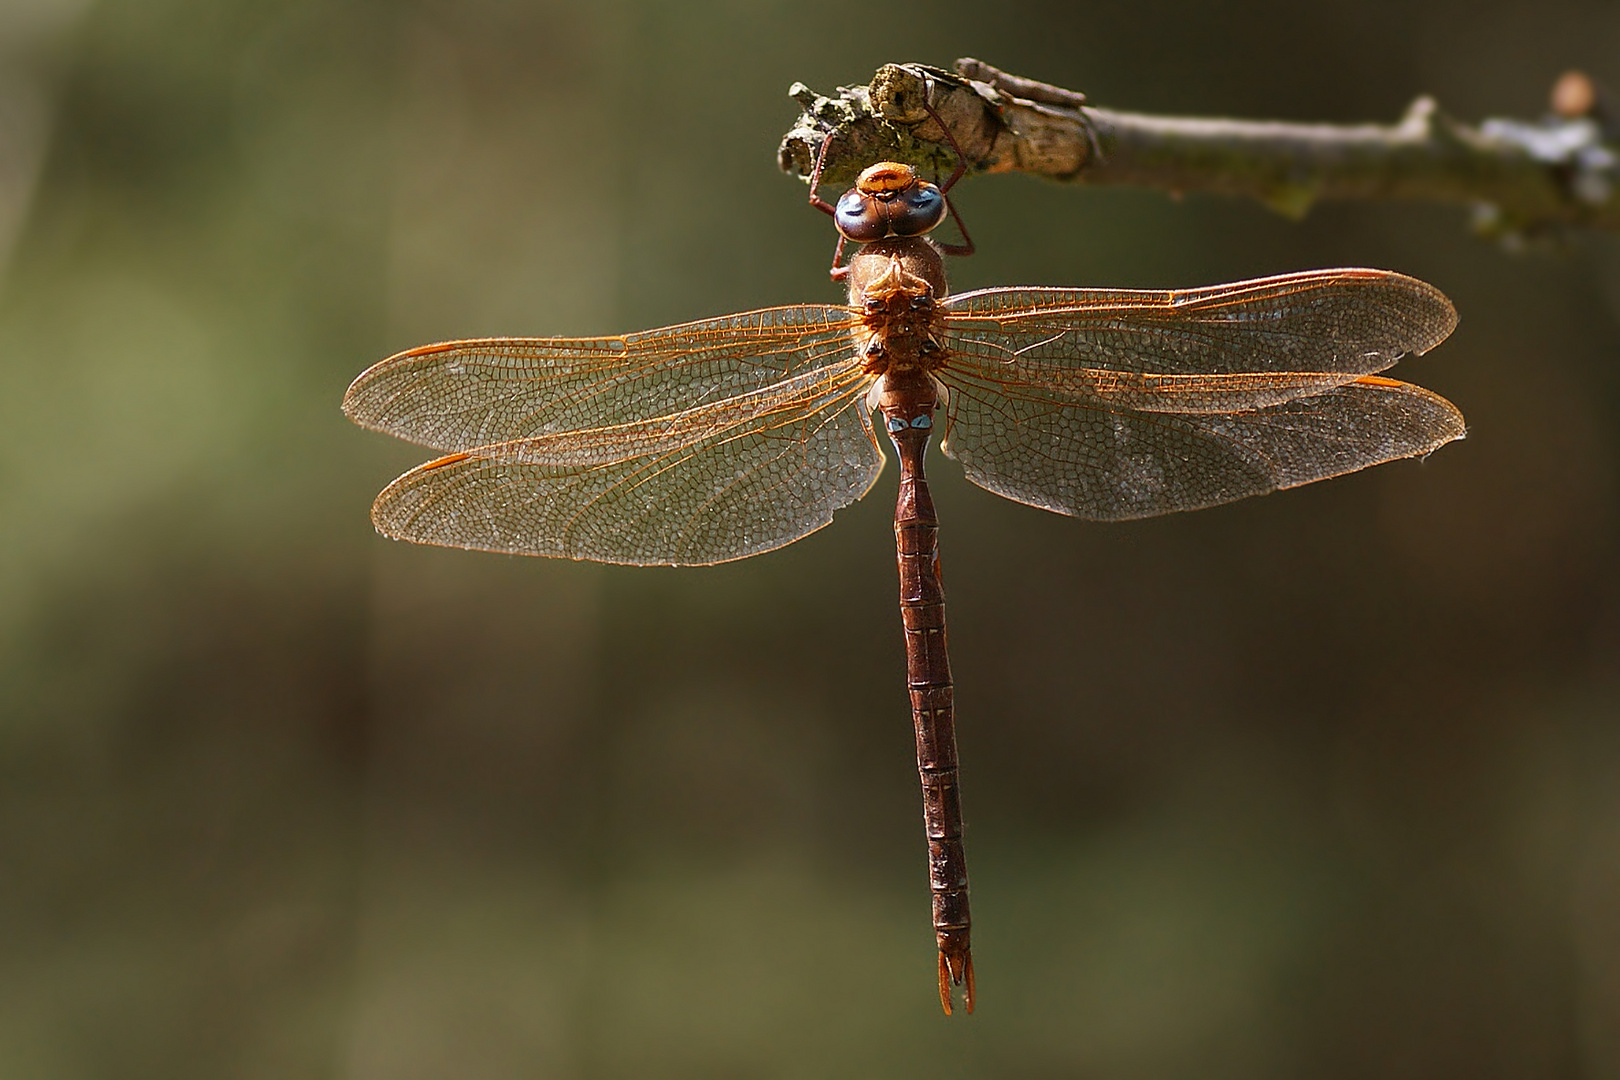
(896, 286)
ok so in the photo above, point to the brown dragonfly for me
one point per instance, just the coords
(727, 437)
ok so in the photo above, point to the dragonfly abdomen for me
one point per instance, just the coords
(908, 402)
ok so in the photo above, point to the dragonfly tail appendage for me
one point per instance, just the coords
(955, 969)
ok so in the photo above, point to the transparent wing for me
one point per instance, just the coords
(1197, 350)
(1129, 403)
(736, 488)
(802, 393)
(464, 394)
(1111, 463)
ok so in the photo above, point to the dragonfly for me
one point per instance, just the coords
(728, 437)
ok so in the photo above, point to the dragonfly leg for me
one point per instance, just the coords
(815, 179)
(961, 158)
(966, 246)
(838, 273)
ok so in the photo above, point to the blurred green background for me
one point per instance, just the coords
(1323, 784)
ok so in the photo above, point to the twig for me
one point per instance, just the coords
(1525, 176)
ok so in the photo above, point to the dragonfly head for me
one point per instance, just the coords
(889, 199)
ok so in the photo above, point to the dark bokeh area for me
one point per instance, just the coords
(1322, 784)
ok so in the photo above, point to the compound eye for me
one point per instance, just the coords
(918, 209)
(858, 218)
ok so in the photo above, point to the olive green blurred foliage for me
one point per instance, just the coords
(1325, 784)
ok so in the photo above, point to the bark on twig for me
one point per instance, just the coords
(1524, 176)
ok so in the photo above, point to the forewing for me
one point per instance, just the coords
(737, 490)
(802, 393)
(1109, 463)
(1245, 345)
(460, 395)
